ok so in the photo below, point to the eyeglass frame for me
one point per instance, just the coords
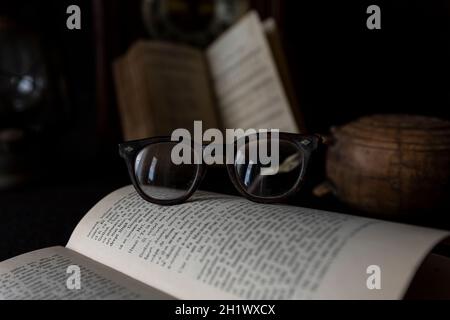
(307, 143)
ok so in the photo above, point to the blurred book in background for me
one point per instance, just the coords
(240, 81)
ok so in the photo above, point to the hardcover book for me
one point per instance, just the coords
(224, 247)
(240, 81)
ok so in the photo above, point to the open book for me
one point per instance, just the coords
(240, 81)
(222, 247)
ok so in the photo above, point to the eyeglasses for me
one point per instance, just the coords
(159, 180)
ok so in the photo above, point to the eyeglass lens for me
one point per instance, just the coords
(158, 177)
(269, 180)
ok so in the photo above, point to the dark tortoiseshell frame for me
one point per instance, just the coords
(307, 143)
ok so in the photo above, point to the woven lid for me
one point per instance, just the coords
(391, 131)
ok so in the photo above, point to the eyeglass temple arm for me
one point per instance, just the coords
(324, 139)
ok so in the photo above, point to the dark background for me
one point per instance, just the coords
(341, 70)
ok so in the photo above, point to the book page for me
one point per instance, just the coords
(163, 87)
(276, 47)
(248, 86)
(44, 275)
(219, 247)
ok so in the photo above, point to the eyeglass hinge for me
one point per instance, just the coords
(306, 142)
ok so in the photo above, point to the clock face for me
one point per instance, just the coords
(192, 21)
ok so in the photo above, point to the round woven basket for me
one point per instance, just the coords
(391, 164)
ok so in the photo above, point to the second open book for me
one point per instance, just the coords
(240, 81)
(221, 247)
